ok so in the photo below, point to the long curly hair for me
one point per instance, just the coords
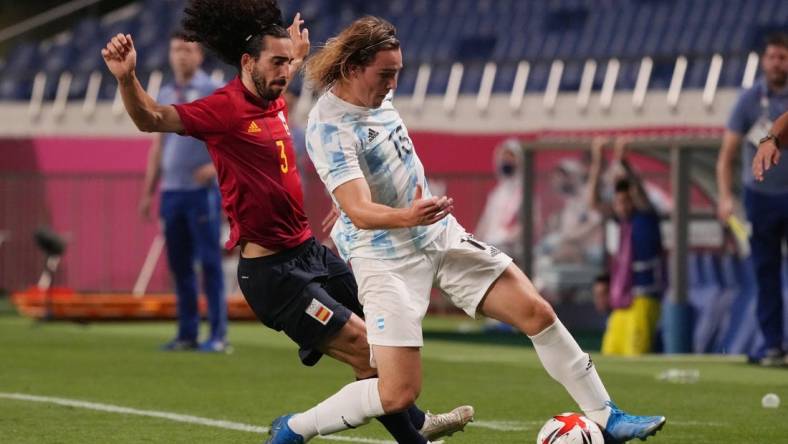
(356, 45)
(232, 28)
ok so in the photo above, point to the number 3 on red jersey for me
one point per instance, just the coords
(282, 156)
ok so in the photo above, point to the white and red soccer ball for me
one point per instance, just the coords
(570, 428)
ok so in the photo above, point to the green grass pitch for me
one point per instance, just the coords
(118, 364)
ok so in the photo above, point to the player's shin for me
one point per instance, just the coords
(352, 406)
(569, 365)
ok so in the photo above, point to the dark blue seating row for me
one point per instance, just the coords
(441, 32)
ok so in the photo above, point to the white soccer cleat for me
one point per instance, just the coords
(446, 424)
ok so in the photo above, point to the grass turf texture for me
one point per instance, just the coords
(119, 364)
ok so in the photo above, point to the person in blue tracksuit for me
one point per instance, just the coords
(190, 206)
(766, 201)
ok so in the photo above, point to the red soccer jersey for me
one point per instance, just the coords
(252, 150)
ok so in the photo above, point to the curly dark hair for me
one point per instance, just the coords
(232, 28)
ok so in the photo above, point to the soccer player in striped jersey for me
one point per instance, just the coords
(292, 283)
(402, 241)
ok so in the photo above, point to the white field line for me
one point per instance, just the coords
(189, 419)
(502, 426)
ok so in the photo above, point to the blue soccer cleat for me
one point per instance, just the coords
(622, 427)
(179, 345)
(282, 434)
(216, 346)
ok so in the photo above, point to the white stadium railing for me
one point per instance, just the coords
(452, 102)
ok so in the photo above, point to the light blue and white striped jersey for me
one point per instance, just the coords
(347, 142)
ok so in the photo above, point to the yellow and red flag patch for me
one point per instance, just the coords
(319, 312)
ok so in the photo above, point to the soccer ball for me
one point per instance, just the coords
(570, 428)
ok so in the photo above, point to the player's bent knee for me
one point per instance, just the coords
(544, 312)
(394, 400)
(534, 316)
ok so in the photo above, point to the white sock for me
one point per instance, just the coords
(354, 405)
(566, 363)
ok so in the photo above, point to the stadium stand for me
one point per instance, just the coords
(477, 32)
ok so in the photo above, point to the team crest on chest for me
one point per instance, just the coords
(281, 116)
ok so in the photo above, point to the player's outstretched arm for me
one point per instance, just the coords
(300, 38)
(637, 189)
(355, 199)
(769, 149)
(121, 59)
(595, 172)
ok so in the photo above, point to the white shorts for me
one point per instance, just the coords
(396, 292)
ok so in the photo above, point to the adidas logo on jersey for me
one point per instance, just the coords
(253, 128)
(371, 136)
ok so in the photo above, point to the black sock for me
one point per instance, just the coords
(417, 417)
(401, 428)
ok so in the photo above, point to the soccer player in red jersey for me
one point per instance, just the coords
(291, 282)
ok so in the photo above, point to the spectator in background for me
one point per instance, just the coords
(500, 221)
(765, 202)
(190, 206)
(636, 281)
(575, 235)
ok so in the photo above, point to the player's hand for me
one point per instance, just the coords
(620, 148)
(120, 56)
(768, 154)
(430, 210)
(204, 174)
(300, 38)
(725, 207)
(144, 207)
(330, 219)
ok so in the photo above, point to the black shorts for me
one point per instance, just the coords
(307, 292)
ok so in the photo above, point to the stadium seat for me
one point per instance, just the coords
(537, 81)
(504, 77)
(573, 71)
(472, 78)
(569, 30)
(697, 72)
(439, 79)
(732, 71)
(627, 74)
